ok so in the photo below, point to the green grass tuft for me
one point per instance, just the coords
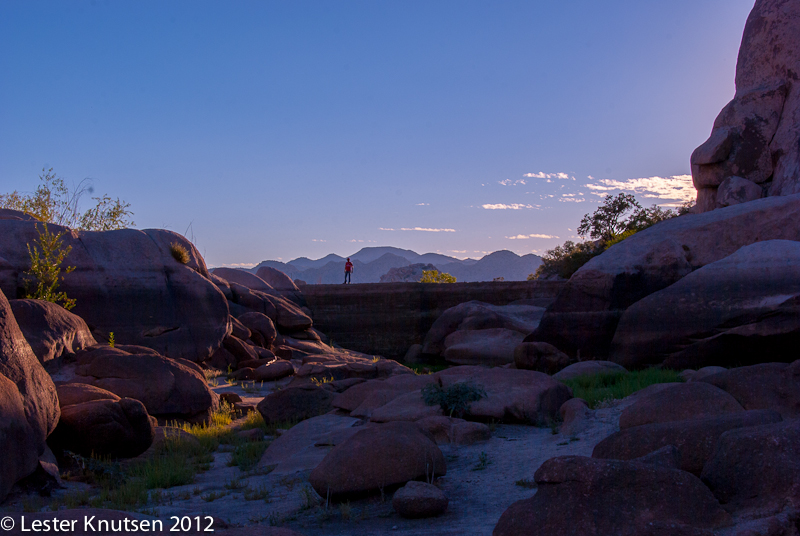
(247, 455)
(600, 388)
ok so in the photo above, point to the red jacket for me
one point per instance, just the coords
(348, 266)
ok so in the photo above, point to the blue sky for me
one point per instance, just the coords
(279, 129)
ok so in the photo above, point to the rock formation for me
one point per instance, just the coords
(754, 147)
(127, 282)
(410, 274)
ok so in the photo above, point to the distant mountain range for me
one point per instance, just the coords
(373, 262)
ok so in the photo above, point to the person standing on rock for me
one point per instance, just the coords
(348, 269)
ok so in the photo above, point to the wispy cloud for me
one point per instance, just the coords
(543, 175)
(318, 240)
(239, 265)
(676, 187)
(509, 182)
(524, 237)
(423, 204)
(503, 206)
(425, 229)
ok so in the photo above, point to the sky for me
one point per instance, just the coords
(278, 129)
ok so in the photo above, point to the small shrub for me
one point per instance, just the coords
(179, 252)
(235, 484)
(526, 483)
(456, 399)
(41, 281)
(261, 493)
(483, 462)
(212, 496)
(345, 510)
(434, 276)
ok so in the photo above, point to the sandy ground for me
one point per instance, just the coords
(479, 493)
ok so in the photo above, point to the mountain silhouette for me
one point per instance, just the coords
(370, 263)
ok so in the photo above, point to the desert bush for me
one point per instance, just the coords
(42, 279)
(456, 399)
(435, 276)
(54, 202)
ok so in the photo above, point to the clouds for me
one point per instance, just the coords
(503, 206)
(422, 204)
(424, 229)
(509, 182)
(525, 237)
(239, 265)
(543, 175)
(676, 187)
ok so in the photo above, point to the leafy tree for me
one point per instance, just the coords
(41, 280)
(54, 202)
(607, 221)
(563, 261)
(434, 276)
(616, 219)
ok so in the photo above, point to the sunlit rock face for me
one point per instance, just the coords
(29, 408)
(754, 147)
(128, 282)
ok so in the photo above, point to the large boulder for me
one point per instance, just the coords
(584, 496)
(694, 438)
(490, 347)
(29, 408)
(476, 315)
(20, 443)
(128, 282)
(589, 368)
(419, 499)
(757, 468)
(242, 277)
(773, 386)
(276, 279)
(293, 404)
(168, 388)
(677, 402)
(378, 457)
(735, 310)
(756, 137)
(512, 395)
(104, 427)
(261, 324)
(51, 330)
(584, 317)
(540, 356)
(19, 364)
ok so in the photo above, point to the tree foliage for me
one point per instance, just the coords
(434, 276)
(54, 202)
(563, 261)
(616, 219)
(47, 255)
